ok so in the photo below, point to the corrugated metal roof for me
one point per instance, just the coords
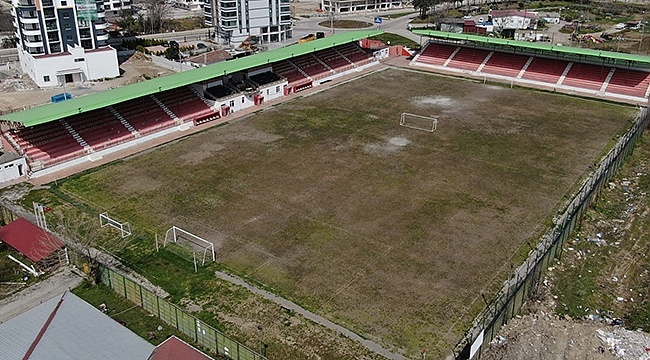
(29, 239)
(46, 113)
(78, 331)
(536, 46)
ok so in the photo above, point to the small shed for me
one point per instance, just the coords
(29, 240)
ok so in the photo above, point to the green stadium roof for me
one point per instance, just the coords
(50, 112)
(537, 46)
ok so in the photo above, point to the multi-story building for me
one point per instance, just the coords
(112, 8)
(344, 6)
(63, 41)
(235, 20)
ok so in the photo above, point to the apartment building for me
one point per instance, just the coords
(235, 20)
(63, 40)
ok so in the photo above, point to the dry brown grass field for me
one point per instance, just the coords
(392, 232)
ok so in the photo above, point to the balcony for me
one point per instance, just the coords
(47, 3)
(103, 37)
(35, 51)
(229, 15)
(228, 24)
(228, 5)
(26, 3)
(49, 14)
(29, 20)
(53, 38)
(83, 24)
(34, 44)
(32, 32)
(101, 26)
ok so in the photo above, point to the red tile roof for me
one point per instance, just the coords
(176, 349)
(29, 239)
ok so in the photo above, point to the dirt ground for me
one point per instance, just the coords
(62, 280)
(19, 91)
(544, 336)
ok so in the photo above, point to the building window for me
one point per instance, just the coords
(277, 89)
(243, 99)
(46, 78)
(67, 27)
(69, 37)
(64, 3)
(232, 103)
(79, 59)
(268, 91)
(66, 15)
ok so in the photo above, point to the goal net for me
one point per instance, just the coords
(105, 220)
(418, 122)
(189, 245)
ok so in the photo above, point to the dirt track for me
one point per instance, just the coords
(60, 281)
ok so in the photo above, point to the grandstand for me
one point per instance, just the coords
(604, 74)
(56, 136)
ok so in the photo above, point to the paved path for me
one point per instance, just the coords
(370, 345)
(28, 298)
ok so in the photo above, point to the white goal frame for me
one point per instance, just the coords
(105, 220)
(172, 235)
(403, 122)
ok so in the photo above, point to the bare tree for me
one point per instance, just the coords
(84, 231)
(157, 12)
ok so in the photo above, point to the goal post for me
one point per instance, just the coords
(418, 122)
(191, 242)
(105, 220)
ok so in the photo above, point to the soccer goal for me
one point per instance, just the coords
(191, 243)
(105, 220)
(418, 122)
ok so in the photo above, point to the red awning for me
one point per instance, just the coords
(29, 239)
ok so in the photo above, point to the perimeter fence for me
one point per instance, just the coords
(202, 333)
(525, 280)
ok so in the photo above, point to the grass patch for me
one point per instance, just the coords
(604, 267)
(345, 24)
(394, 39)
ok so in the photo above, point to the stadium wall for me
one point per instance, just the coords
(526, 278)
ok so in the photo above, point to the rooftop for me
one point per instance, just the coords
(66, 327)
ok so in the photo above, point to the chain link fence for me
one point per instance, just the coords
(525, 280)
(202, 333)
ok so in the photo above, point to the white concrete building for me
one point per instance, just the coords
(513, 19)
(235, 20)
(63, 40)
(189, 4)
(344, 6)
(549, 17)
(12, 166)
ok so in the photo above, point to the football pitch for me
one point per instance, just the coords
(390, 231)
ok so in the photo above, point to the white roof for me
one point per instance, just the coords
(76, 331)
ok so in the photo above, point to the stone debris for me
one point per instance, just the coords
(625, 344)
